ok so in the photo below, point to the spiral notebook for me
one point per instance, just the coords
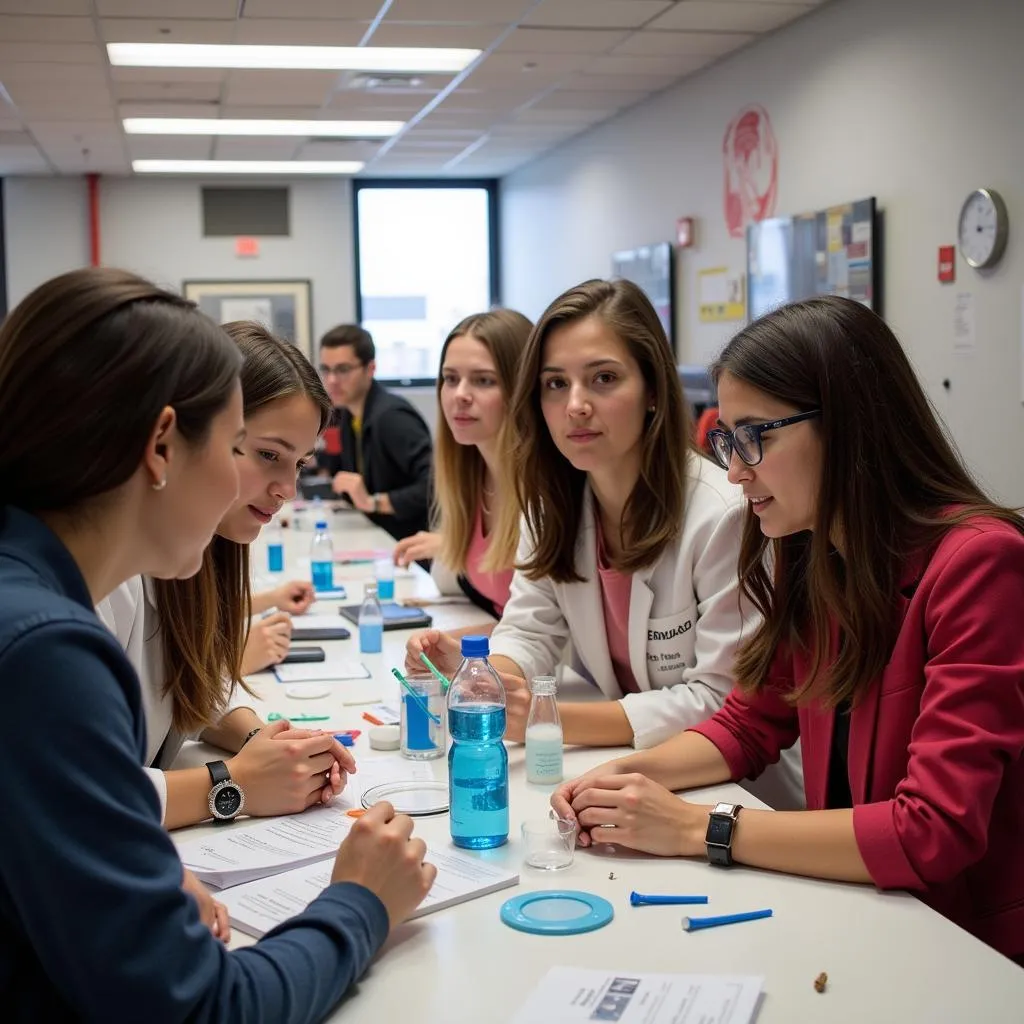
(396, 616)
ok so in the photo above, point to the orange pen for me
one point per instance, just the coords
(371, 719)
(356, 812)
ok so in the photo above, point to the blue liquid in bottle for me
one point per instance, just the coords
(477, 759)
(371, 622)
(321, 558)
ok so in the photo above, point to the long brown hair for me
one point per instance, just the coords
(459, 469)
(205, 619)
(549, 489)
(95, 355)
(892, 483)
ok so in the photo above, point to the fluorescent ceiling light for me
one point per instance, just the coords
(247, 166)
(232, 126)
(415, 60)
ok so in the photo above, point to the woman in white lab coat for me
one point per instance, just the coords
(629, 538)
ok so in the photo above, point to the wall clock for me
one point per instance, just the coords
(984, 226)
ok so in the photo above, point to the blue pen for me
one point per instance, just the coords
(695, 924)
(637, 899)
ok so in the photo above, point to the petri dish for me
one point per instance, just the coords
(557, 912)
(415, 797)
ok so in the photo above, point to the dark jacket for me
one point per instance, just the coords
(397, 459)
(94, 924)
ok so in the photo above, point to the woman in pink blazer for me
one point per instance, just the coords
(891, 643)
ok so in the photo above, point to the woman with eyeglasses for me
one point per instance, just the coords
(628, 541)
(891, 642)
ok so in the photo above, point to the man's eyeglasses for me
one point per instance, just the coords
(745, 441)
(341, 370)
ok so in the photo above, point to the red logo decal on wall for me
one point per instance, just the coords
(751, 169)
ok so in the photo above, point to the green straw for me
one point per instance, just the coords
(433, 668)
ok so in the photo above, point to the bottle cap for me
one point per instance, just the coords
(370, 589)
(321, 524)
(475, 647)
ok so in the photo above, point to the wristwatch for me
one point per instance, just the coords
(721, 827)
(226, 797)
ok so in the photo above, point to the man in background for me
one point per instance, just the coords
(384, 464)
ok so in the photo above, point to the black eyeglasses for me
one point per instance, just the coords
(745, 441)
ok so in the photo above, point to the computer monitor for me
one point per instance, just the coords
(698, 387)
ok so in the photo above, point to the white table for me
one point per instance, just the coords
(889, 958)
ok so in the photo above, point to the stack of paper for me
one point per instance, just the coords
(258, 906)
(241, 853)
(570, 994)
(328, 670)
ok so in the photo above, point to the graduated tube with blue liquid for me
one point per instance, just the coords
(275, 546)
(477, 759)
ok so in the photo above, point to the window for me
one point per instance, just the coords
(425, 258)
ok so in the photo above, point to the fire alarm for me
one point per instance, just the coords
(684, 232)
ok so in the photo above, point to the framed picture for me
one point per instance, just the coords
(282, 306)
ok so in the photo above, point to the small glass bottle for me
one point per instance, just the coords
(543, 733)
(275, 546)
(321, 557)
(371, 622)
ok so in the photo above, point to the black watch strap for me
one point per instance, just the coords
(721, 828)
(218, 772)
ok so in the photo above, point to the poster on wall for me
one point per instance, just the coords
(722, 295)
(750, 170)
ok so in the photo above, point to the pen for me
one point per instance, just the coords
(637, 899)
(369, 718)
(433, 668)
(695, 924)
(347, 738)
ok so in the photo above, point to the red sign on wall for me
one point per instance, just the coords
(947, 263)
(247, 247)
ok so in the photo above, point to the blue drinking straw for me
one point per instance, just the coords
(637, 899)
(417, 698)
(695, 924)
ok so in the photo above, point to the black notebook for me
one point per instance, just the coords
(396, 616)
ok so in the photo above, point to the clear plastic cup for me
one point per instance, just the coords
(423, 737)
(550, 843)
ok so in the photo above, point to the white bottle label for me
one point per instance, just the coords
(544, 753)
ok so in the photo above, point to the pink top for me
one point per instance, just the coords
(615, 591)
(493, 585)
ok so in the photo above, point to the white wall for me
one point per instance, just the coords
(154, 227)
(916, 102)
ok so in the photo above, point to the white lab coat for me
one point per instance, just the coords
(130, 613)
(686, 620)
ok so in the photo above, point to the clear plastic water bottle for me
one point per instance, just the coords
(477, 759)
(371, 622)
(321, 557)
(543, 734)
(275, 546)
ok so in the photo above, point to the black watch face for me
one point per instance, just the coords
(227, 801)
(719, 830)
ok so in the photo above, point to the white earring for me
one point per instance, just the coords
(160, 486)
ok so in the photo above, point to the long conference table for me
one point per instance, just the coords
(888, 957)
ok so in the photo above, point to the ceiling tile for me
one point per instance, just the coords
(568, 118)
(299, 32)
(595, 13)
(166, 30)
(255, 149)
(224, 9)
(19, 160)
(48, 53)
(375, 103)
(182, 108)
(336, 149)
(619, 65)
(569, 99)
(489, 12)
(515, 70)
(110, 161)
(15, 29)
(352, 10)
(157, 75)
(163, 92)
(489, 99)
(470, 37)
(706, 44)
(562, 40)
(70, 75)
(55, 101)
(76, 134)
(170, 147)
(287, 88)
(623, 83)
(441, 118)
(64, 7)
(725, 16)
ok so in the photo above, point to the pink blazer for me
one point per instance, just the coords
(935, 761)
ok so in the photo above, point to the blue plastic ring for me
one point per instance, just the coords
(516, 913)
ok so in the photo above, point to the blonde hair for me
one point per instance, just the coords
(549, 489)
(459, 469)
